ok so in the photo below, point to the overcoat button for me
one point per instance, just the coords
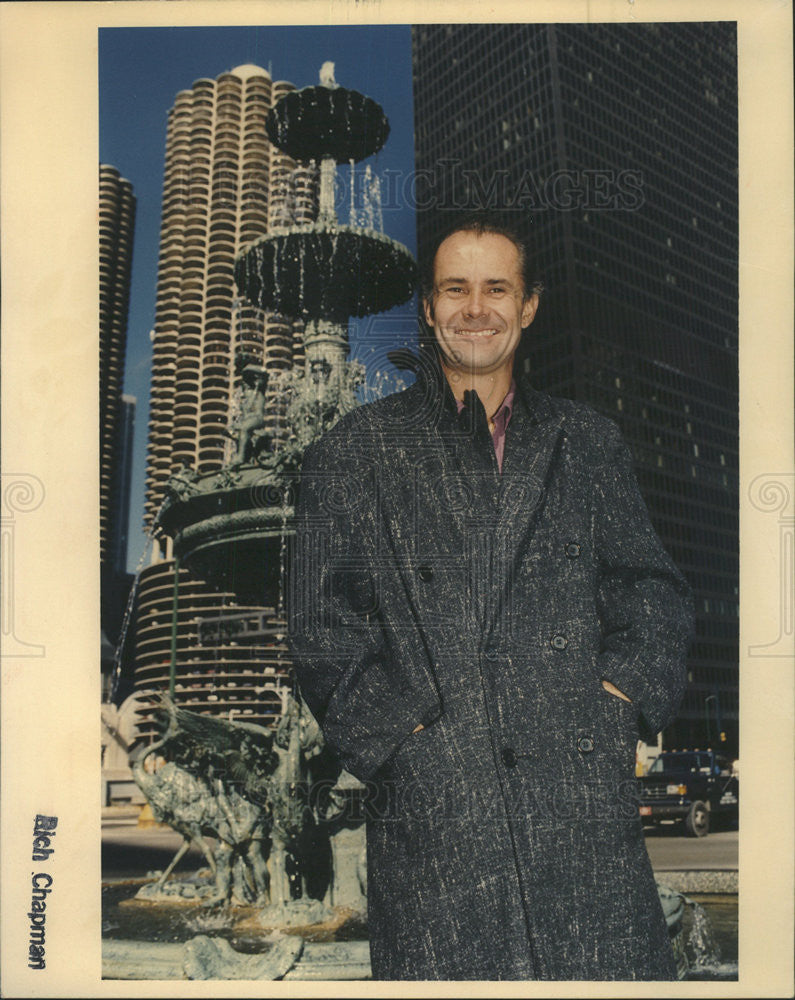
(509, 757)
(584, 744)
(559, 642)
(572, 550)
(491, 653)
(425, 573)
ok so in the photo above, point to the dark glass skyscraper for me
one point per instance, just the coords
(614, 147)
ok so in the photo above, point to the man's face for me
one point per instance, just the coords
(479, 308)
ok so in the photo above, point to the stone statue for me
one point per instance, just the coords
(191, 779)
(182, 484)
(298, 739)
(251, 418)
(179, 798)
(247, 787)
(316, 399)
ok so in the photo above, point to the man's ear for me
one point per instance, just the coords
(427, 309)
(529, 310)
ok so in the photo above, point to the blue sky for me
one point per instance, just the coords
(141, 70)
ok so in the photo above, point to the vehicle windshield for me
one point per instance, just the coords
(681, 763)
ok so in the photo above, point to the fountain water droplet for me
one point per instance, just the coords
(374, 195)
(702, 939)
(352, 211)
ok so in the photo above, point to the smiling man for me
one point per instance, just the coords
(478, 309)
(482, 617)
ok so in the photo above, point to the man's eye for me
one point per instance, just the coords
(497, 290)
(454, 290)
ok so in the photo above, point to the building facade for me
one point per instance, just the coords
(224, 186)
(116, 411)
(614, 148)
(116, 226)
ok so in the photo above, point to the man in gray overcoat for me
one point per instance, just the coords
(482, 617)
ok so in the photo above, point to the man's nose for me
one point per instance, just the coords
(475, 304)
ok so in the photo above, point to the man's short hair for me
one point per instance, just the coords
(480, 223)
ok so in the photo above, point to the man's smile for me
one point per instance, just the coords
(475, 333)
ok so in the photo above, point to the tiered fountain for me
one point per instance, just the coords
(233, 521)
(327, 272)
(238, 790)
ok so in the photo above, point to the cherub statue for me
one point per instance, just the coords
(254, 381)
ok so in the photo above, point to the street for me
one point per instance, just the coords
(130, 851)
(668, 849)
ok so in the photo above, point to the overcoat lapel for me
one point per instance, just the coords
(531, 444)
(443, 483)
(439, 490)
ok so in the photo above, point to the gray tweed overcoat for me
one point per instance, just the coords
(503, 839)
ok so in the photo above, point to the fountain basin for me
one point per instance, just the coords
(241, 547)
(152, 939)
(348, 958)
(334, 122)
(136, 960)
(327, 271)
(229, 526)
